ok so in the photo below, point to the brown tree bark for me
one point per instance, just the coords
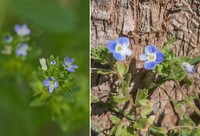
(144, 22)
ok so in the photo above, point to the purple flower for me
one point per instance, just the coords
(152, 57)
(22, 30)
(8, 38)
(21, 49)
(68, 64)
(52, 83)
(190, 69)
(119, 48)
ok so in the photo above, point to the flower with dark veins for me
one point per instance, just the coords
(52, 83)
(68, 64)
(119, 48)
(152, 57)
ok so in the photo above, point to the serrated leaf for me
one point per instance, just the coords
(141, 94)
(146, 111)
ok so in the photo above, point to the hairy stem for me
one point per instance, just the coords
(192, 105)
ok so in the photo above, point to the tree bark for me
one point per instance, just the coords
(144, 22)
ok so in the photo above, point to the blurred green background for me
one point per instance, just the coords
(60, 28)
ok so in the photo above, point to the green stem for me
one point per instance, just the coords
(195, 60)
(192, 105)
(179, 127)
(160, 82)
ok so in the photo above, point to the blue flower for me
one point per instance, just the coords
(152, 57)
(22, 30)
(52, 83)
(190, 69)
(21, 49)
(119, 48)
(68, 64)
(8, 38)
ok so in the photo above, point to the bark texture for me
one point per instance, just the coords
(144, 22)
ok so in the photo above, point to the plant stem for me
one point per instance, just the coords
(179, 127)
(192, 105)
(195, 60)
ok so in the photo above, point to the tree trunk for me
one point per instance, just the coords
(144, 22)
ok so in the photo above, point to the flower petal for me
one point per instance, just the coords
(126, 51)
(51, 88)
(46, 82)
(150, 49)
(149, 65)
(118, 56)
(111, 45)
(190, 69)
(144, 57)
(74, 66)
(56, 84)
(123, 41)
(159, 57)
(71, 69)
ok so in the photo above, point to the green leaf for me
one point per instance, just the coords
(120, 99)
(144, 102)
(195, 60)
(137, 126)
(115, 119)
(102, 55)
(141, 94)
(187, 121)
(122, 69)
(146, 111)
(119, 130)
(105, 71)
(169, 42)
(158, 131)
(143, 122)
(127, 131)
(67, 95)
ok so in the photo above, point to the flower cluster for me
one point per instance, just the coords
(151, 57)
(17, 43)
(56, 71)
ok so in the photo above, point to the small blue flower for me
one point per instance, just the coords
(21, 49)
(53, 62)
(119, 48)
(152, 57)
(22, 30)
(52, 83)
(190, 69)
(8, 38)
(68, 64)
